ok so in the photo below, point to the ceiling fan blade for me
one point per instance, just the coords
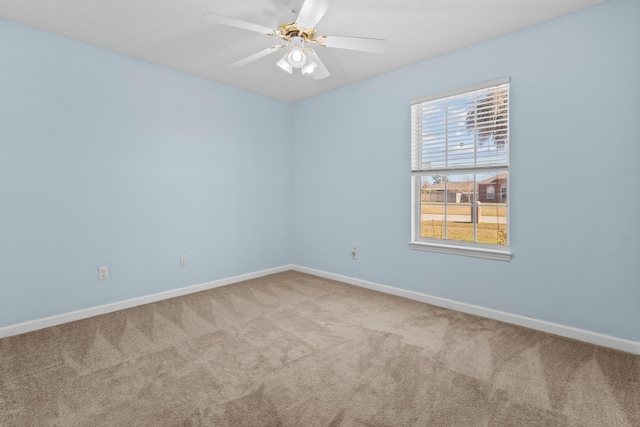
(355, 43)
(320, 72)
(312, 12)
(233, 22)
(257, 56)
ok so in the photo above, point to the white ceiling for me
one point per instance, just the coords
(174, 34)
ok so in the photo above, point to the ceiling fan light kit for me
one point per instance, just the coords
(296, 56)
(296, 34)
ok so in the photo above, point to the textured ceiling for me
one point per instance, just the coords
(174, 34)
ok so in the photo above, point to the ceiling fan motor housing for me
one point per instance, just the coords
(291, 29)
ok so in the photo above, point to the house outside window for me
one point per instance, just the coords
(459, 161)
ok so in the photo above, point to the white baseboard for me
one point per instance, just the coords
(33, 325)
(540, 325)
(528, 322)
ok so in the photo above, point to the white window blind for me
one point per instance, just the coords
(461, 132)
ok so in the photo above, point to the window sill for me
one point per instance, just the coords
(494, 254)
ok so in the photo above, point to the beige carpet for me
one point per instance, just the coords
(296, 350)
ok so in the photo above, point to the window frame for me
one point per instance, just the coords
(456, 247)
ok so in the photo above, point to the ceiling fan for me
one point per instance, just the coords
(298, 32)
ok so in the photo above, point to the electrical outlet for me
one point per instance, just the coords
(103, 273)
(354, 253)
(183, 261)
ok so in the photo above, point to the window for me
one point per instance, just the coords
(491, 195)
(459, 158)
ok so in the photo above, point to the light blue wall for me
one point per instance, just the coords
(575, 199)
(107, 160)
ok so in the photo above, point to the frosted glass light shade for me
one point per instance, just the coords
(284, 64)
(296, 57)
